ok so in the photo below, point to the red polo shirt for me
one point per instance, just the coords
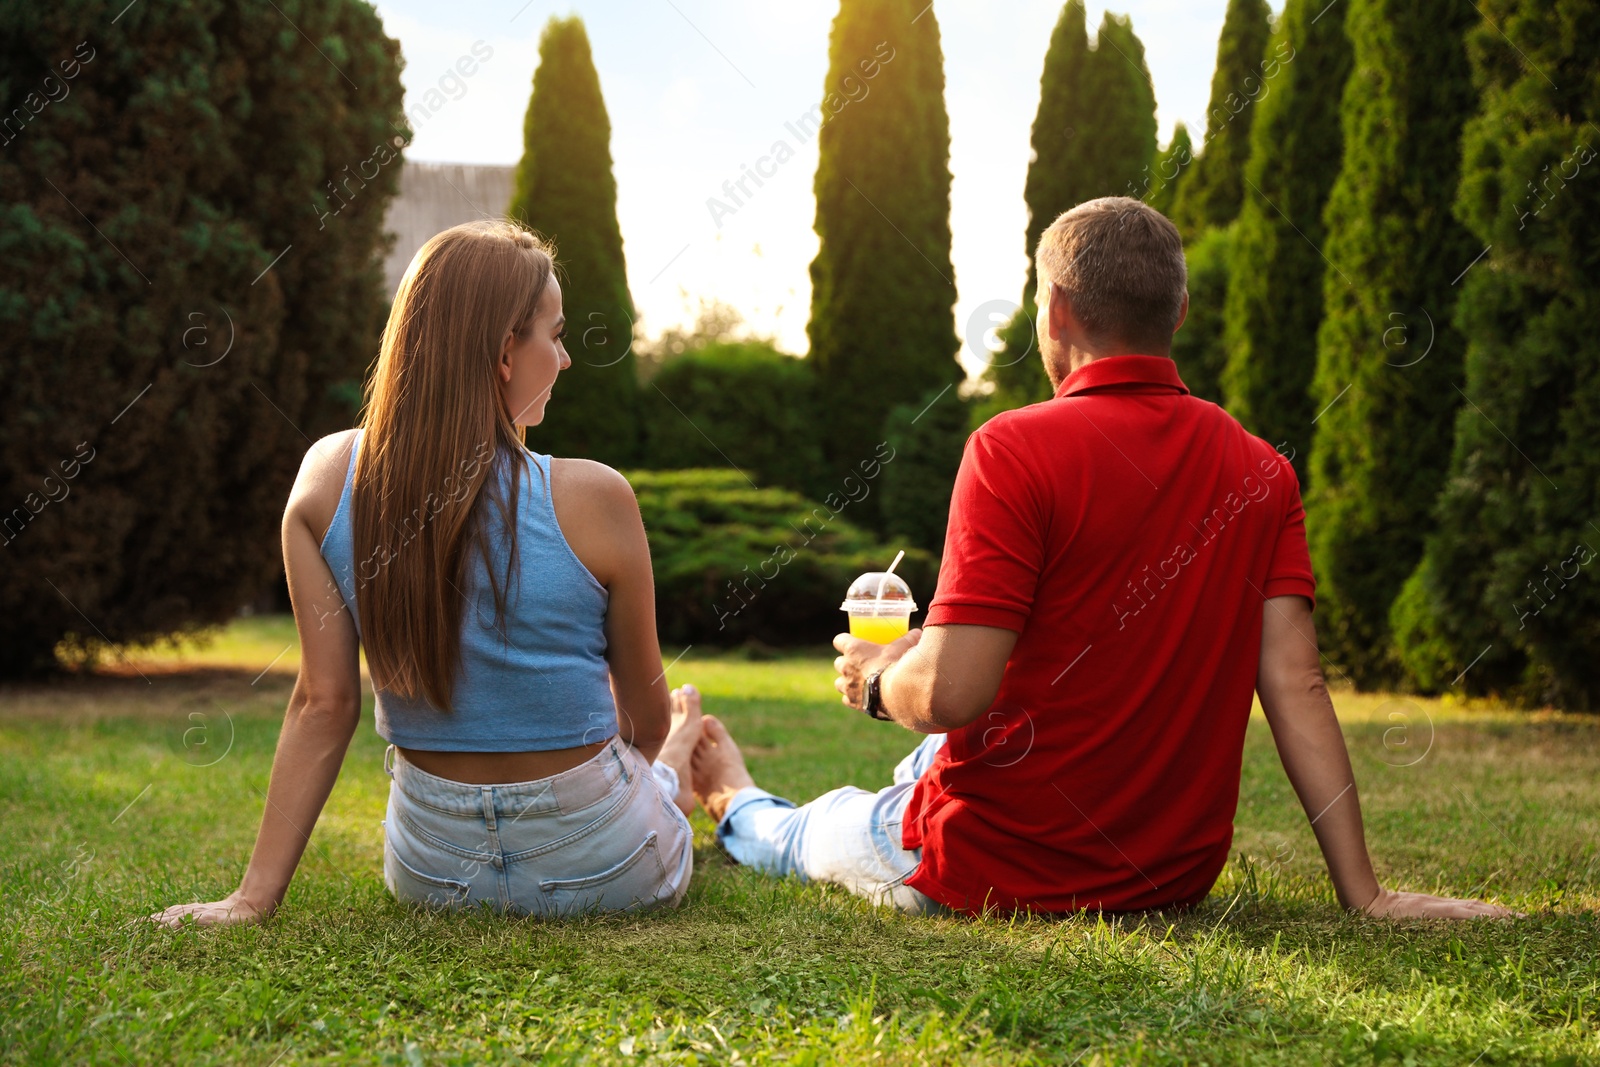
(1130, 533)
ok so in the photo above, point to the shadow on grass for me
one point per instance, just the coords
(156, 692)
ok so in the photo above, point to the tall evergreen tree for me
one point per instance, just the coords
(1388, 356)
(1274, 304)
(191, 278)
(882, 328)
(1510, 583)
(1121, 141)
(565, 191)
(928, 439)
(1212, 194)
(1094, 135)
(1160, 189)
(1197, 347)
(1057, 176)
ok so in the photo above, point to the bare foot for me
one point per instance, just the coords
(678, 750)
(719, 770)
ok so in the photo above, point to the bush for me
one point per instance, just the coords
(739, 403)
(190, 265)
(734, 562)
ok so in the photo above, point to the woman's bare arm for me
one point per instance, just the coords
(323, 709)
(600, 516)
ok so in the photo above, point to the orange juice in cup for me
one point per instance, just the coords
(879, 605)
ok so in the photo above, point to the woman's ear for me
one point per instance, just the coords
(503, 364)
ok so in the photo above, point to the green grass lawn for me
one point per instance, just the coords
(142, 786)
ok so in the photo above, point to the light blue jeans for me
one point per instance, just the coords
(847, 836)
(604, 836)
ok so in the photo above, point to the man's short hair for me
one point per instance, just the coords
(1120, 262)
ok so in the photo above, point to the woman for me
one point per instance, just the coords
(507, 608)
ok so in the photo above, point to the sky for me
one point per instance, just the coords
(698, 89)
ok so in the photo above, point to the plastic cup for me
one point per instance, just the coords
(879, 605)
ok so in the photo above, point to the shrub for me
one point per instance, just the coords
(733, 562)
(204, 177)
(740, 403)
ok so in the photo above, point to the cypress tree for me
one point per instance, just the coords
(1094, 135)
(1212, 194)
(1274, 304)
(1160, 188)
(1388, 356)
(1058, 176)
(191, 231)
(565, 191)
(928, 439)
(1197, 347)
(882, 328)
(1508, 585)
(1120, 144)
(1017, 369)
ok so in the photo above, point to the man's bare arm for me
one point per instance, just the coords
(1295, 697)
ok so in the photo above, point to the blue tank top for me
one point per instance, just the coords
(542, 683)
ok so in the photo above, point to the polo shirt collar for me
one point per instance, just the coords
(1111, 371)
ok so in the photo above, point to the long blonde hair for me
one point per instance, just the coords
(436, 428)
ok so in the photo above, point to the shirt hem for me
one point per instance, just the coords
(975, 615)
(490, 744)
(957, 901)
(1292, 587)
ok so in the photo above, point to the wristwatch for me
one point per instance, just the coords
(872, 698)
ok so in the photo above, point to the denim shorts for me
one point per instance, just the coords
(602, 837)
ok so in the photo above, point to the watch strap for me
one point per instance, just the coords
(872, 697)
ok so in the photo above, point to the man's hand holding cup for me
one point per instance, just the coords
(879, 605)
(859, 657)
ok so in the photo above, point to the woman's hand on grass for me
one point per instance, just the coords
(1389, 904)
(232, 909)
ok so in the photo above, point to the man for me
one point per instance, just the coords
(1124, 565)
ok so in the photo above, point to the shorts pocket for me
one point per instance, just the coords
(412, 886)
(638, 881)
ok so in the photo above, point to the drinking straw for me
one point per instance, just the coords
(897, 558)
